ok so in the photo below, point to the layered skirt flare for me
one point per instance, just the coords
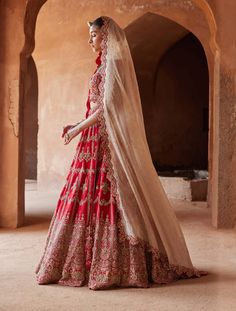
(86, 242)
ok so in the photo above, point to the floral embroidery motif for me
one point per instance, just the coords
(87, 156)
(93, 137)
(105, 187)
(102, 202)
(101, 255)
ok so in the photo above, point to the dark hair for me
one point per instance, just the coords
(98, 22)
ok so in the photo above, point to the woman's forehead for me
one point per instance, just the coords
(93, 29)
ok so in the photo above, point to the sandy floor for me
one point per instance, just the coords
(212, 250)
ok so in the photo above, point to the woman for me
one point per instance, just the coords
(113, 225)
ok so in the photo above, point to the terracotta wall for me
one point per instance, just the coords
(225, 16)
(64, 62)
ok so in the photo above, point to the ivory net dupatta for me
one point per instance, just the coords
(145, 209)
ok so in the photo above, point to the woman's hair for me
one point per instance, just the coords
(98, 22)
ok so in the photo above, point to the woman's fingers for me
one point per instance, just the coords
(67, 141)
(69, 134)
(65, 130)
(68, 138)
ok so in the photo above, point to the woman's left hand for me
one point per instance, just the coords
(72, 133)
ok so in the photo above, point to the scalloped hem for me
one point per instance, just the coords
(117, 260)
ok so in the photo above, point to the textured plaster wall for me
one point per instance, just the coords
(65, 63)
(225, 16)
(11, 42)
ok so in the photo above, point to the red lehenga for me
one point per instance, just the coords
(86, 242)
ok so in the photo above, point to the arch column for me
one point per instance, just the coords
(12, 38)
(15, 16)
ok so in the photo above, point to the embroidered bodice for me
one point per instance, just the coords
(94, 86)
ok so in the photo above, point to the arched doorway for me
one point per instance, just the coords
(172, 72)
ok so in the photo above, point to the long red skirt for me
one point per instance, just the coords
(86, 242)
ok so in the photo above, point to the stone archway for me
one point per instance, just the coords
(177, 12)
(201, 11)
(172, 73)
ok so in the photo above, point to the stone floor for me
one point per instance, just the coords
(212, 250)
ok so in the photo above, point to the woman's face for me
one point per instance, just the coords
(95, 38)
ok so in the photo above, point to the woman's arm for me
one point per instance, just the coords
(91, 120)
(79, 127)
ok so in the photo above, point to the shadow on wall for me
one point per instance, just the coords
(172, 73)
(31, 120)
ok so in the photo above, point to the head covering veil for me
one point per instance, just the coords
(146, 212)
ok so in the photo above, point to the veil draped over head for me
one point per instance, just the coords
(145, 210)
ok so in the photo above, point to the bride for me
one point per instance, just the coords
(113, 224)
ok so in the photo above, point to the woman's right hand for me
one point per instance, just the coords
(66, 129)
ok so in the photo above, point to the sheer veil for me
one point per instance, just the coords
(145, 210)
